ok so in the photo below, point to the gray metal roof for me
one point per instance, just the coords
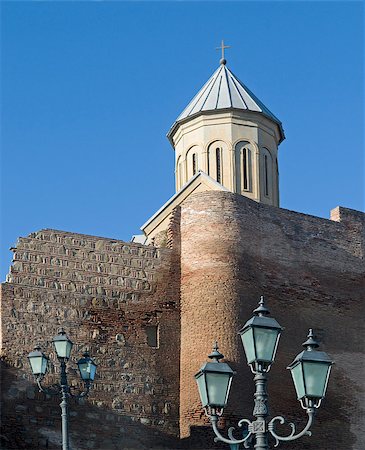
(224, 90)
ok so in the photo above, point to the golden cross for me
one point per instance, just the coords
(223, 47)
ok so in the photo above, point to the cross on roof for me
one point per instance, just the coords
(223, 47)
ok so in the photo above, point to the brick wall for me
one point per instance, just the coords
(222, 252)
(311, 271)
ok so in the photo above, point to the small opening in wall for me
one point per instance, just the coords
(266, 176)
(245, 169)
(152, 336)
(218, 157)
(194, 163)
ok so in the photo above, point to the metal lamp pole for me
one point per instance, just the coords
(260, 336)
(39, 365)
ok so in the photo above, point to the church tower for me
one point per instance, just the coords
(226, 139)
(229, 134)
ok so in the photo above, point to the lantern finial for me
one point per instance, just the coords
(216, 355)
(261, 310)
(310, 343)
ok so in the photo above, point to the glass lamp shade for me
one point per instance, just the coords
(38, 362)
(214, 382)
(63, 345)
(87, 367)
(310, 371)
(260, 337)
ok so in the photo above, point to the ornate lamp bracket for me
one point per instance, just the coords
(53, 390)
(79, 393)
(232, 440)
(292, 436)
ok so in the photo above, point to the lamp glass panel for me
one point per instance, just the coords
(87, 370)
(202, 389)
(92, 371)
(297, 375)
(63, 348)
(217, 386)
(265, 340)
(315, 375)
(248, 345)
(38, 364)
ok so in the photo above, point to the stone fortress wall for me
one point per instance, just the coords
(108, 295)
(224, 251)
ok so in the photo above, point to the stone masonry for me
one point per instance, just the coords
(105, 293)
(222, 252)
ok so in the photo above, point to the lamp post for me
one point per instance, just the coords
(39, 365)
(260, 336)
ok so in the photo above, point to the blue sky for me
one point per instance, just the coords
(89, 90)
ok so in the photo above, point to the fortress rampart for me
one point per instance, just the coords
(106, 294)
(224, 251)
(311, 271)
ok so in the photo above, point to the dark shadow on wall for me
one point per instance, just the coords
(32, 421)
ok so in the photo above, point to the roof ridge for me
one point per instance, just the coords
(198, 97)
(249, 93)
(219, 89)
(215, 80)
(229, 90)
(256, 100)
(237, 90)
(194, 101)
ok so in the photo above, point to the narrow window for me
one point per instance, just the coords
(245, 169)
(194, 163)
(152, 335)
(218, 159)
(266, 176)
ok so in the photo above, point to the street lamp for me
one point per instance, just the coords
(260, 336)
(39, 365)
(214, 381)
(310, 371)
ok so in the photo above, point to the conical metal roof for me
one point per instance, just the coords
(224, 90)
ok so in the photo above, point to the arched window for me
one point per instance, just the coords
(243, 167)
(217, 157)
(218, 162)
(191, 164)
